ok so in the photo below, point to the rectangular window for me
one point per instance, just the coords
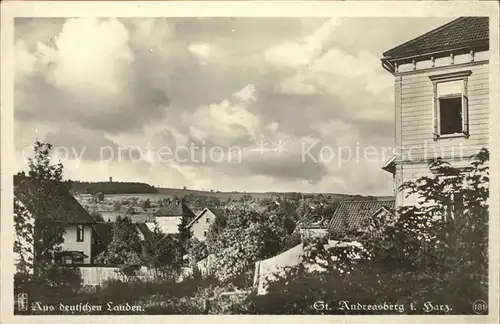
(450, 105)
(79, 233)
(205, 234)
(208, 220)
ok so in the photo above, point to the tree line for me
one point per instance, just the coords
(111, 187)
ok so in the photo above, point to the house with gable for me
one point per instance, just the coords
(80, 239)
(441, 98)
(200, 225)
(350, 215)
(169, 217)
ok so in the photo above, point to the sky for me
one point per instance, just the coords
(245, 104)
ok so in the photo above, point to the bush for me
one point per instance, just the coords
(51, 283)
(291, 241)
(197, 250)
(436, 251)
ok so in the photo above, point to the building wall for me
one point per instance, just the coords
(111, 216)
(414, 93)
(70, 243)
(169, 224)
(201, 225)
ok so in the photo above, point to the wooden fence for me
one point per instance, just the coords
(95, 276)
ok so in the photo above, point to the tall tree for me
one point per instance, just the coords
(161, 253)
(23, 242)
(185, 233)
(44, 193)
(125, 248)
(249, 235)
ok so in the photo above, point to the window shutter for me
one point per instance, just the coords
(435, 126)
(465, 109)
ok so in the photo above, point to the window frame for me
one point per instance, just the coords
(436, 118)
(80, 229)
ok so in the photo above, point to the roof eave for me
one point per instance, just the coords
(390, 165)
(483, 45)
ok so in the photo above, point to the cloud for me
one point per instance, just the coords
(336, 65)
(97, 63)
(246, 94)
(316, 65)
(203, 51)
(211, 82)
(229, 122)
(24, 61)
(99, 78)
(298, 54)
(296, 84)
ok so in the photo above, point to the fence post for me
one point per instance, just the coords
(206, 306)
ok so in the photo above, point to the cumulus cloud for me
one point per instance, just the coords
(299, 53)
(227, 123)
(212, 82)
(203, 51)
(317, 65)
(97, 78)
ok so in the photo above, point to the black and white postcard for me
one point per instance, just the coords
(250, 158)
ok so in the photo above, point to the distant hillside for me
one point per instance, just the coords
(112, 187)
(127, 188)
(225, 195)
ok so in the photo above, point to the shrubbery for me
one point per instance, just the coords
(434, 252)
(51, 282)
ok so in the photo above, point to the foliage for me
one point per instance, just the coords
(112, 187)
(291, 241)
(47, 178)
(246, 198)
(146, 204)
(197, 250)
(162, 253)
(54, 276)
(97, 216)
(34, 228)
(131, 211)
(185, 234)
(125, 248)
(435, 250)
(215, 229)
(49, 279)
(23, 242)
(117, 205)
(202, 201)
(99, 197)
(248, 236)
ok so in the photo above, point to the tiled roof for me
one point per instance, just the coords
(350, 214)
(62, 206)
(73, 254)
(461, 32)
(175, 209)
(216, 211)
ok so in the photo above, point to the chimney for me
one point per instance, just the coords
(110, 179)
